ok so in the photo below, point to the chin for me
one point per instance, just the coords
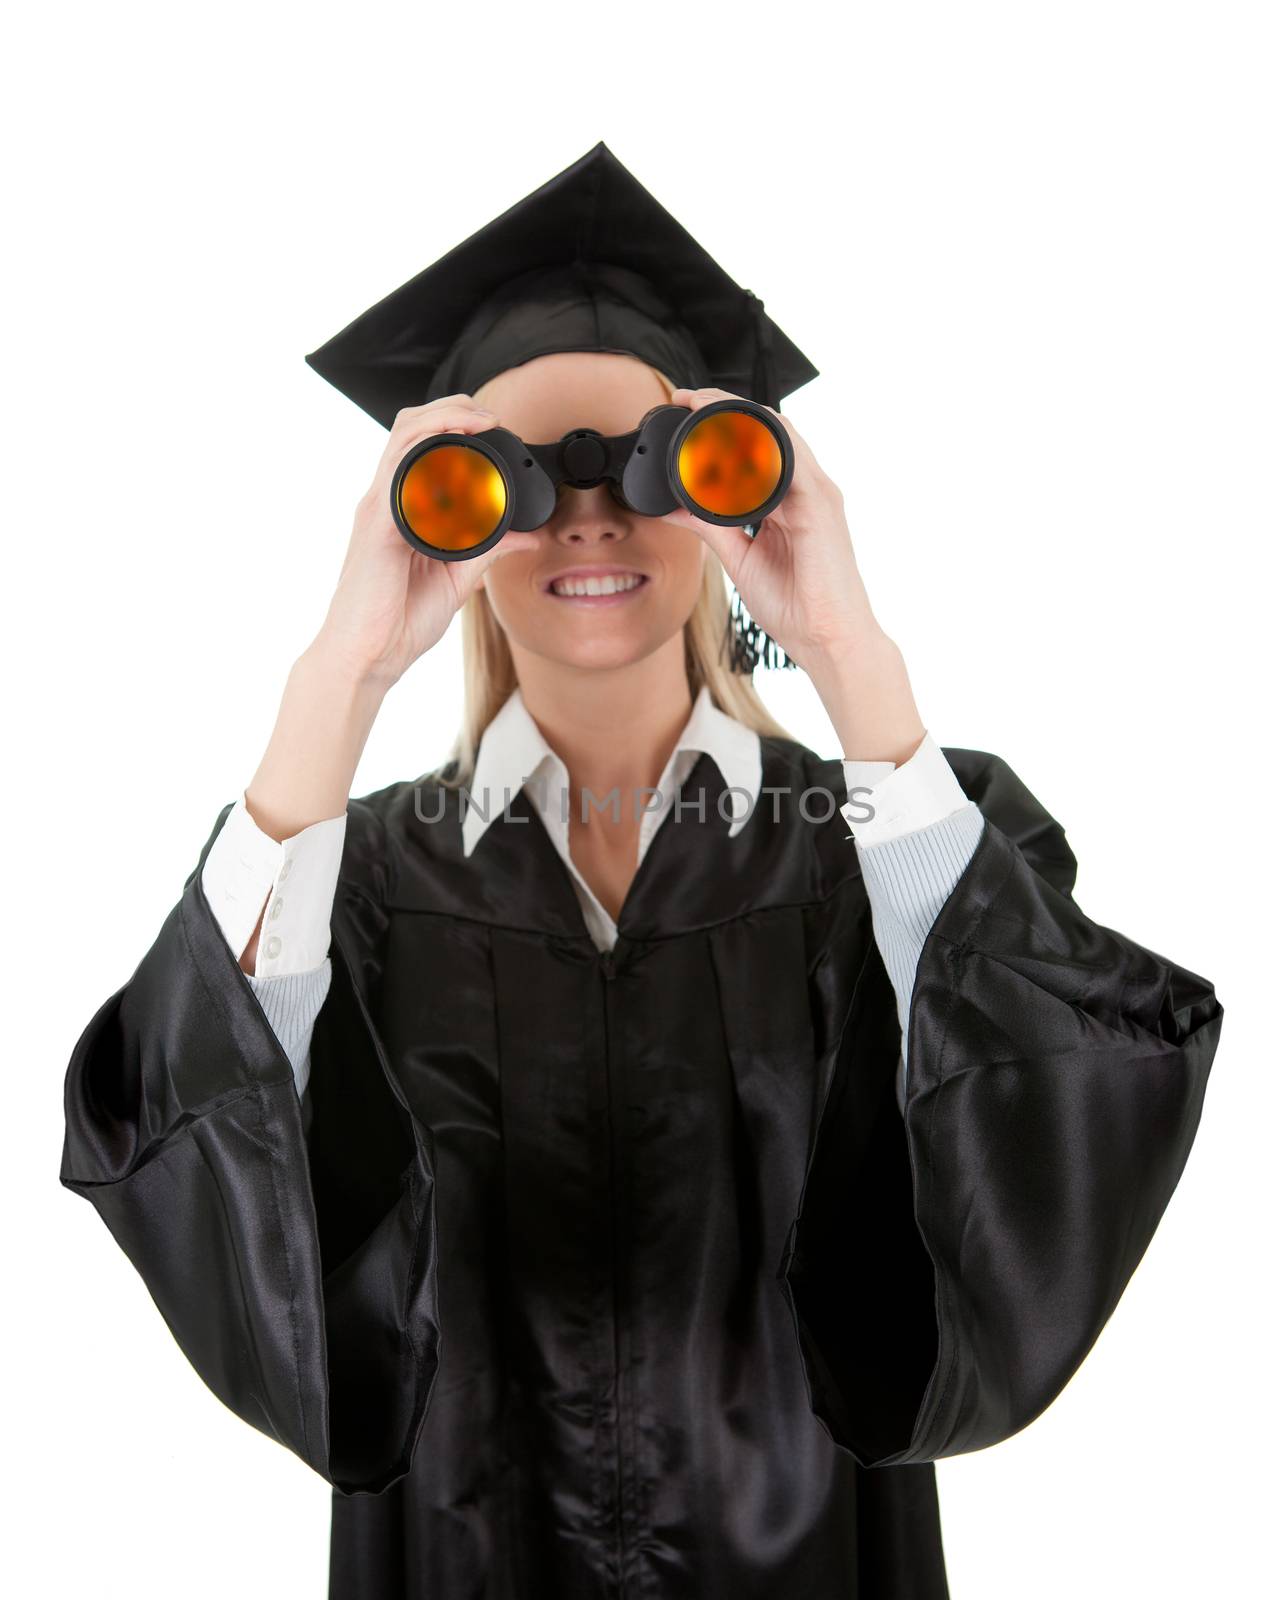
(596, 655)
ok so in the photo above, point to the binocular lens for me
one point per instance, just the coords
(730, 463)
(453, 497)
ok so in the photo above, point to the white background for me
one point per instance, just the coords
(1033, 251)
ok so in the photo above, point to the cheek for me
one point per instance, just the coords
(506, 589)
(685, 568)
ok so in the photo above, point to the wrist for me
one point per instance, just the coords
(324, 662)
(866, 692)
(324, 691)
(853, 650)
(306, 773)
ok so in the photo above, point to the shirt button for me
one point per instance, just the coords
(272, 947)
(284, 871)
(277, 907)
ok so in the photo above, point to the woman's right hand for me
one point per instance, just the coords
(393, 603)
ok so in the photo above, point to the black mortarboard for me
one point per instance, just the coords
(588, 261)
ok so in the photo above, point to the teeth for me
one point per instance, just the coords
(606, 585)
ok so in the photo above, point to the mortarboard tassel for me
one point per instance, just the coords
(748, 644)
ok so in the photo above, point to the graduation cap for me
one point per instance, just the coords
(588, 261)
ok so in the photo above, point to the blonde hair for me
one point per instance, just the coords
(489, 673)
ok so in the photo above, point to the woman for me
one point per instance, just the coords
(633, 1199)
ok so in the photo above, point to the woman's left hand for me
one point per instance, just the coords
(800, 582)
(798, 576)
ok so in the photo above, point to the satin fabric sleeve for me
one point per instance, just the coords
(1056, 1072)
(296, 1269)
(915, 831)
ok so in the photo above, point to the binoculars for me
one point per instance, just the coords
(730, 462)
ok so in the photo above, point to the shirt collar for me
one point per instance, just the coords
(513, 749)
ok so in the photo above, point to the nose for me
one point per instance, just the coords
(587, 517)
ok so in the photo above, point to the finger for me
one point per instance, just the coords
(441, 402)
(694, 398)
(420, 421)
(416, 423)
(701, 397)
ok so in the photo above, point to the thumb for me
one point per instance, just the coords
(730, 544)
(510, 544)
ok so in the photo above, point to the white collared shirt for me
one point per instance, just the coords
(514, 755)
(297, 876)
(913, 850)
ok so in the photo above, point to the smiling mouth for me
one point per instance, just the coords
(596, 587)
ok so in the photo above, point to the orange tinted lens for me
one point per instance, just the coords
(453, 497)
(730, 463)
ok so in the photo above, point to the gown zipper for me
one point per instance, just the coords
(608, 971)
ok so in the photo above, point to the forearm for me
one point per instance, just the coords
(864, 687)
(306, 774)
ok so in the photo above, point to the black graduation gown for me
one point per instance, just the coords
(624, 1276)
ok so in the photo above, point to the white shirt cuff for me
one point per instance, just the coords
(915, 795)
(296, 878)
